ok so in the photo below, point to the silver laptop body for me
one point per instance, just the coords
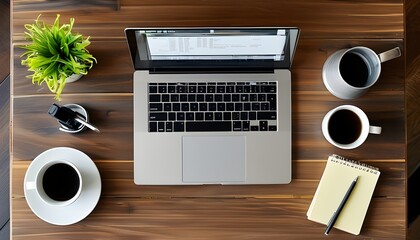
(190, 124)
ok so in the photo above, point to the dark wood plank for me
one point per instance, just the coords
(4, 153)
(382, 108)
(117, 180)
(318, 19)
(68, 4)
(114, 70)
(207, 218)
(35, 131)
(113, 115)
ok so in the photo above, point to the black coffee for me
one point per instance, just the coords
(354, 69)
(344, 127)
(60, 182)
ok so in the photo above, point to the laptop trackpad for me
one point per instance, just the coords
(213, 159)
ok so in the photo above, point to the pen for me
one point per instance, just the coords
(340, 207)
(89, 125)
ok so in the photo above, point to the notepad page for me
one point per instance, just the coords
(335, 181)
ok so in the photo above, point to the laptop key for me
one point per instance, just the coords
(171, 116)
(209, 97)
(190, 116)
(180, 116)
(171, 89)
(183, 97)
(165, 98)
(157, 116)
(161, 126)
(153, 127)
(266, 115)
(179, 126)
(201, 89)
(154, 107)
(212, 107)
(200, 97)
(237, 126)
(244, 115)
(169, 126)
(199, 116)
(191, 97)
(263, 125)
(203, 107)
(218, 116)
(245, 125)
(185, 107)
(208, 116)
(227, 116)
(194, 107)
(221, 89)
(174, 98)
(176, 107)
(154, 98)
(153, 89)
(264, 106)
(167, 107)
(192, 89)
(217, 126)
(163, 89)
(252, 115)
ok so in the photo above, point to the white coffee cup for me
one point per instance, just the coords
(349, 73)
(347, 127)
(57, 183)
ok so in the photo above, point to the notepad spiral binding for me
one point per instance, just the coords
(355, 164)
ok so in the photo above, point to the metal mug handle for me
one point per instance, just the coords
(390, 54)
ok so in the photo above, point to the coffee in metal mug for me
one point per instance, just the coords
(349, 73)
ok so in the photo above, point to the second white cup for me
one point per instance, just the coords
(347, 127)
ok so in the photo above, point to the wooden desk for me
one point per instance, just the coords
(127, 211)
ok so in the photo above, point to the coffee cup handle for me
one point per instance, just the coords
(390, 54)
(30, 185)
(375, 129)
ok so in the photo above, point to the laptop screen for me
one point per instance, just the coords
(225, 49)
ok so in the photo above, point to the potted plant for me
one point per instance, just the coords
(55, 54)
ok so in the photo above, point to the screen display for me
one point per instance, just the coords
(212, 45)
(223, 48)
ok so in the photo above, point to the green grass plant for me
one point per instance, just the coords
(55, 53)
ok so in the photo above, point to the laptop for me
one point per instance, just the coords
(212, 105)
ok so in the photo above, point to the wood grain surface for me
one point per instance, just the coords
(127, 211)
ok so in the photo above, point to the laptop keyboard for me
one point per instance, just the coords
(212, 107)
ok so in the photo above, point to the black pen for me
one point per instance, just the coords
(340, 207)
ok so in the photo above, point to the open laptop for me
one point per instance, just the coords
(212, 105)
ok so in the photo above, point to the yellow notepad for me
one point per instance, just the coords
(335, 181)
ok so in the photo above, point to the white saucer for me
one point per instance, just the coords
(82, 206)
